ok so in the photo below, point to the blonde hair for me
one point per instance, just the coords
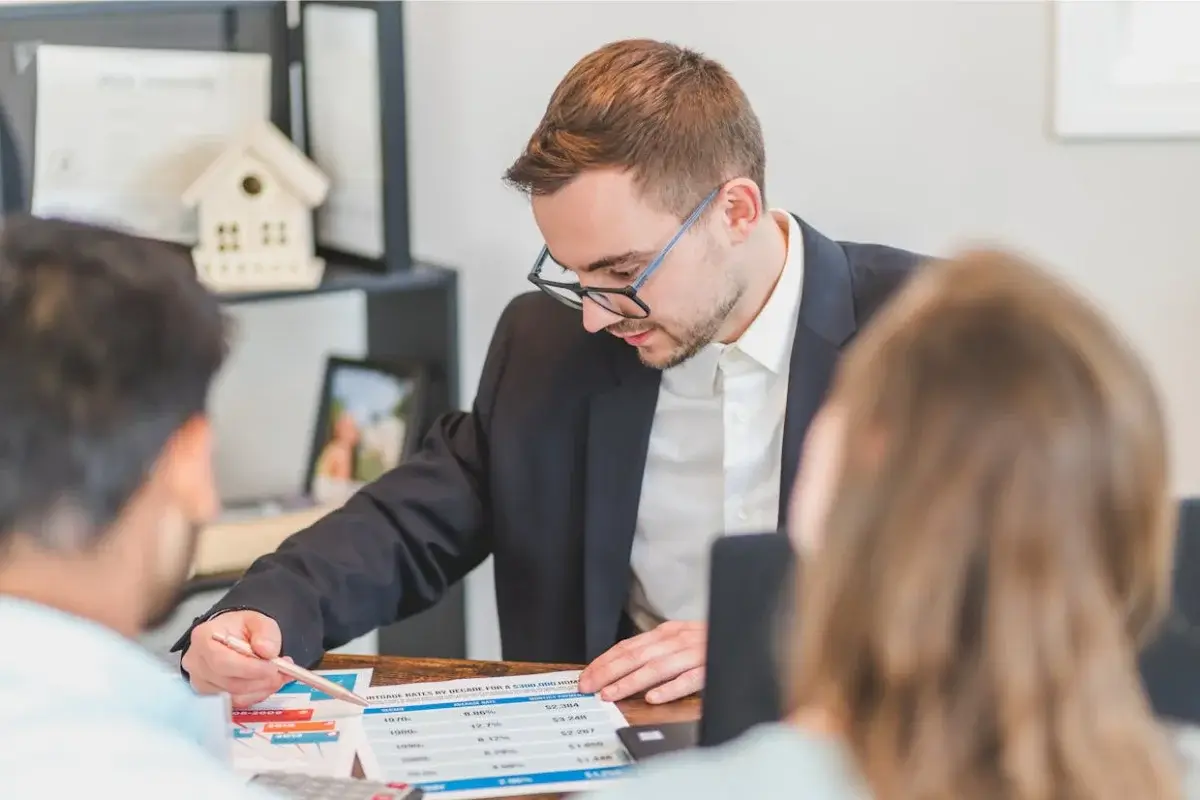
(999, 541)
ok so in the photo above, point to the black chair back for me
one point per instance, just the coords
(1170, 665)
(749, 582)
(751, 578)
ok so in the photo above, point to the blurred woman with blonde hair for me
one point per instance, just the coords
(985, 532)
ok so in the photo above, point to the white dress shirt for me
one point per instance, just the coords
(713, 464)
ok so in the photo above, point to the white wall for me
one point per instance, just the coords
(918, 124)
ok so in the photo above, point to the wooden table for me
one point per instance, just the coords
(389, 670)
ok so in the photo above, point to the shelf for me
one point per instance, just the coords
(199, 584)
(343, 278)
(40, 9)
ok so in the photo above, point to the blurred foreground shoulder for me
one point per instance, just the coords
(1186, 739)
(770, 762)
(114, 757)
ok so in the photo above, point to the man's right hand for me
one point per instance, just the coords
(214, 668)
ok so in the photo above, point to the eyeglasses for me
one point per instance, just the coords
(623, 300)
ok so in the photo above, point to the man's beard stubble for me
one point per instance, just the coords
(692, 339)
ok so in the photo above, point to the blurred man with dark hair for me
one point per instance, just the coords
(108, 348)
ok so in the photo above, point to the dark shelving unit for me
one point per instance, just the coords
(345, 277)
(411, 313)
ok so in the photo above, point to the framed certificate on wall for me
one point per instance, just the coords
(1126, 69)
(352, 95)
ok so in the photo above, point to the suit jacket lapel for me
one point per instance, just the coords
(826, 322)
(618, 434)
(813, 362)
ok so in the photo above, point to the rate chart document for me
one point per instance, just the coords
(301, 730)
(490, 737)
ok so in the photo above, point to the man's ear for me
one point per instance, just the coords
(188, 470)
(743, 208)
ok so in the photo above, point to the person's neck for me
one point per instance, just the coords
(817, 721)
(764, 255)
(75, 586)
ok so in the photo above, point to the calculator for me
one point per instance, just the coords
(318, 787)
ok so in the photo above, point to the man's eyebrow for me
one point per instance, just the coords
(608, 262)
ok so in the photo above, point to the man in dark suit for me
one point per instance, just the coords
(599, 460)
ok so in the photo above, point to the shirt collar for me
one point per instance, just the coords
(768, 339)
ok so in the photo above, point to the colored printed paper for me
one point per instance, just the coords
(301, 730)
(491, 737)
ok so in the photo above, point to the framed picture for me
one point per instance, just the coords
(11, 181)
(1126, 69)
(368, 422)
(351, 85)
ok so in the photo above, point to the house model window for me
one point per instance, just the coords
(254, 208)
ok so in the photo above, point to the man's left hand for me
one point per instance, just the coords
(669, 661)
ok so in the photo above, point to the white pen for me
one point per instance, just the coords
(299, 673)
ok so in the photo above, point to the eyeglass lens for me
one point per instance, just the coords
(553, 273)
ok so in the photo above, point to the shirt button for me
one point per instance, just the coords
(739, 415)
(742, 515)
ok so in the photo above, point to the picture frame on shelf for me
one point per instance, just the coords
(368, 422)
(1126, 70)
(350, 83)
(11, 180)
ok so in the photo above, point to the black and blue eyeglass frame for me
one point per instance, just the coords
(622, 300)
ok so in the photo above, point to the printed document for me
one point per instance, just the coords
(301, 730)
(491, 737)
(341, 74)
(120, 134)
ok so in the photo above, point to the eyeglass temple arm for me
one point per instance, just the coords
(687, 223)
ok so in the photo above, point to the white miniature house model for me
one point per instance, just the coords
(254, 213)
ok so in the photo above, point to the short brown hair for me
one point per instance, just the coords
(999, 541)
(677, 120)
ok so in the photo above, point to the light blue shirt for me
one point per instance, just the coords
(86, 712)
(778, 761)
(770, 762)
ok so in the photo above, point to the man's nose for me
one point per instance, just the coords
(596, 317)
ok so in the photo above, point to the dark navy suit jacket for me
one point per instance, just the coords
(544, 473)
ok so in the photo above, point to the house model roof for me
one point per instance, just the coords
(269, 144)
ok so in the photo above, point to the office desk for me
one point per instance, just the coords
(389, 670)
